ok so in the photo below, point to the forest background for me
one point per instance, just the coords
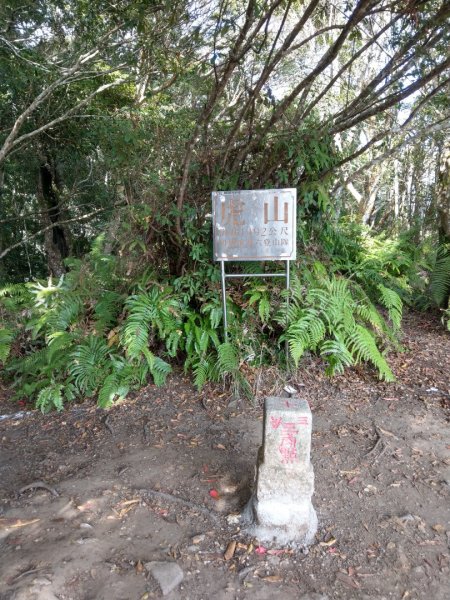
(118, 119)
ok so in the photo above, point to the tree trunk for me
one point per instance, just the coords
(55, 239)
(443, 195)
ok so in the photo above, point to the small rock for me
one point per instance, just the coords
(42, 581)
(314, 596)
(85, 526)
(197, 539)
(233, 518)
(391, 546)
(402, 559)
(406, 518)
(168, 575)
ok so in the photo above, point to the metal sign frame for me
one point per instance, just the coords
(224, 257)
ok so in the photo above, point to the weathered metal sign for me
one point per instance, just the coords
(255, 225)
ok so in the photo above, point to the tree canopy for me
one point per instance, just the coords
(120, 118)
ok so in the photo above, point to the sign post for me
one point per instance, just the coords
(254, 225)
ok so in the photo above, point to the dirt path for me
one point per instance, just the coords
(135, 488)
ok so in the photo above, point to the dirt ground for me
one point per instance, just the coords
(162, 476)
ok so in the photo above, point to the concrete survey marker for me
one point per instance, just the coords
(280, 509)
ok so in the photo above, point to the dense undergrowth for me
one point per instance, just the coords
(95, 333)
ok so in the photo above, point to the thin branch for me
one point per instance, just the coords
(26, 136)
(267, 71)
(400, 55)
(346, 66)
(13, 138)
(392, 99)
(18, 54)
(57, 224)
(361, 10)
(438, 126)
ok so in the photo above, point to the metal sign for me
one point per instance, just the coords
(254, 225)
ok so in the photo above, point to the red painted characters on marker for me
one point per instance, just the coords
(288, 444)
(275, 422)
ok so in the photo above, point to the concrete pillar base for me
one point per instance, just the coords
(279, 522)
(280, 510)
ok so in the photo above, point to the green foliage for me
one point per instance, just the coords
(50, 398)
(335, 318)
(95, 333)
(72, 342)
(259, 295)
(6, 338)
(87, 364)
(440, 276)
(392, 301)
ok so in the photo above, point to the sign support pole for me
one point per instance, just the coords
(224, 301)
(288, 287)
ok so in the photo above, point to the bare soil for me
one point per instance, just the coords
(161, 476)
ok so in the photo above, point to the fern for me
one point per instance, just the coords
(65, 312)
(202, 372)
(50, 398)
(228, 358)
(337, 355)
(6, 338)
(392, 301)
(305, 333)
(88, 364)
(108, 391)
(440, 276)
(335, 320)
(107, 310)
(158, 368)
(153, 310)
(137, 325)
(363, 347)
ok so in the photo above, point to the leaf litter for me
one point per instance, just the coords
(175, 467)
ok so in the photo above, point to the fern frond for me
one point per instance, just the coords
(6, 338)
(136, 329)
(392, 301)
(107, 310)
(363, 348)
(228, 358)
(88, 364)
(297, 347)
(305, 333)
(34, 362)
(59, 340)
(201, 372)
(264, 309)
(159, 369)
(440, 277)
(65, 312)
(14, 289)
(49, 398)
(108, 391)
(336, 353)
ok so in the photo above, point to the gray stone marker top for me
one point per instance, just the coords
(287, 433)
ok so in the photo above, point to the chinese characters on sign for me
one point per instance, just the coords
(255, 225)
(289, 441)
